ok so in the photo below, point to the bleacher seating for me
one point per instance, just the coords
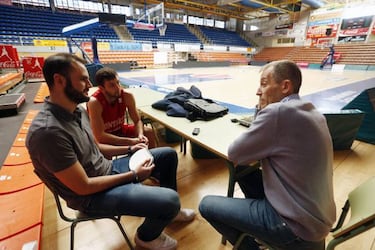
(21, 197)
(223, 37)
(272, 54)
(174, 33)
(351, 54)
(19, 26)
(143, 59)
(233, 58)
(9, 80)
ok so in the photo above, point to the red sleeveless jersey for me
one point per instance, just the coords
(113, 114)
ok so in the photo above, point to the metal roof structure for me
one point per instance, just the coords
(239, 9)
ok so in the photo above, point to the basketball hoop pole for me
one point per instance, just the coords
(162, 29)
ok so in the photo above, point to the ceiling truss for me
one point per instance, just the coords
(225, 8)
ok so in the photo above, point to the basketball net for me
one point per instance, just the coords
(162, 29)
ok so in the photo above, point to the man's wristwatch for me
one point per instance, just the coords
(129, 150)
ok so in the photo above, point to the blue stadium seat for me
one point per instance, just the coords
(223, 37)
(27, 22)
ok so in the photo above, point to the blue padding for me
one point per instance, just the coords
(343, 127)
(92, 69)
(314, 66)
(355, 67)
(365, 102)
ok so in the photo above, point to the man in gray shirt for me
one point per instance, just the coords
(69, 160)
(289, 203)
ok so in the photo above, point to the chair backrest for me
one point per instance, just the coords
(56, 196)
(362, 207)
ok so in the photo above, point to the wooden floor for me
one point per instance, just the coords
(197, 178)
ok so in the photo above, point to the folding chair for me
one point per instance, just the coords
(81, 217)
(362, 209)
(243, 236)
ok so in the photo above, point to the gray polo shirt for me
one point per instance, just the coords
(56, 140)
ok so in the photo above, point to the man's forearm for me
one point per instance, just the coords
(108, 138)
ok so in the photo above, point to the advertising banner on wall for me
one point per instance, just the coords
(32, 67)
(323, 23)
(55, 43)
(354, 29)
(87, 46)
(8, 57)
(322, 31)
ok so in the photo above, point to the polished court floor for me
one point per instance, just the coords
(235, 86)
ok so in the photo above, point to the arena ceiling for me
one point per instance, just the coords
(239, 9)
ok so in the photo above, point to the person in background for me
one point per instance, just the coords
(330, 58)
(108, 108)
(289, 202)
(67, 158)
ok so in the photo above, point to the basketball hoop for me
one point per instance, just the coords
(162, 30)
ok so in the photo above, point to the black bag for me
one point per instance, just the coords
(204, 109)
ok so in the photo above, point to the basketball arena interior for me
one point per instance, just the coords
(218, 46)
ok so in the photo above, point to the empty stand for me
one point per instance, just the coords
(21, 197)
(223, 37)
(351, 54)
(16, 178)
(9, 80)
(174, 33)
(27, 239)
(272, 54)
(143, 59)
(23, 25)
(42, 93)
(17, 156)
(21, 210)
(233, 58)
(20, 140)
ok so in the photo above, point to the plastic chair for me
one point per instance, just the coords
(81, 217)
(362, 209)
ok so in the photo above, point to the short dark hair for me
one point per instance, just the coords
(60, 63)
(286, 69)
(104, 74)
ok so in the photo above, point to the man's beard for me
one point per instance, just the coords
(114, 96)
(73, 94)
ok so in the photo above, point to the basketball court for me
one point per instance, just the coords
(236, 86)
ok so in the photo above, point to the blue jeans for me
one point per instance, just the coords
(253, 215)
(159, 205)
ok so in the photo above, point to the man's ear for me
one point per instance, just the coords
(58, 79)
(286, 87)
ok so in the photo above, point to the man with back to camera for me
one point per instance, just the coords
(289, 203)
(107, 108)
(66, 157)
